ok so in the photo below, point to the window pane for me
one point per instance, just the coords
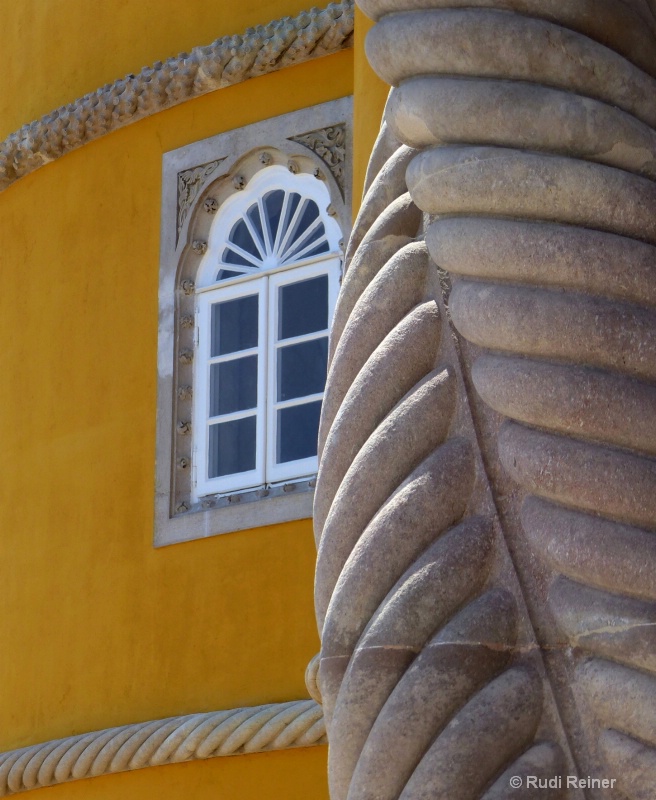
(234, 325)
(233, 385)
(241, 236)
(302, 369)
(303, 307)
(230, 257)
(273, 208)
(232, 447)
(298, 429)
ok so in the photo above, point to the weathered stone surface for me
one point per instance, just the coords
(483, 43)
(427, 111)
(535, 123)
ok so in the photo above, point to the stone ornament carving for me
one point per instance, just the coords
(485, 508)
(330, 145)
(189, 183)
(229, 60)
(277, 726)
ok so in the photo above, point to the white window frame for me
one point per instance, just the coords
(199, 179)
(331, 267)
(203, 485)
(265, 282)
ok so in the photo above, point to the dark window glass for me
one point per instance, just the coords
(224, 274)
(292, 204)
(233, 385)
(234, 325)
(253, 215)
(241, 236)
(232, 447)
(304, 241)
(302, 369)
(303, 307)
(320, 248)
(273, 208)
(298, 429)
(230, 257)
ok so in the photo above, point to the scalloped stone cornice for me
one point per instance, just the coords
(229, 60)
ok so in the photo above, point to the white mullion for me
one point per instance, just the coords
(272, 331)
(252, 351)
(232, 416)
(266, 230)
(306, 233)
(281, 223)
(238, 250)
(303, 337)
(308, 249)
(292, 224)
(255, 235)
(299, 401)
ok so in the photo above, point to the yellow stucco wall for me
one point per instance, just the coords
(369, 96)
(57, 50)
(103, 628)
(96, 627)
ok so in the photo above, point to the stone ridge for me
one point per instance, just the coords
(278, 726)
(228, 60)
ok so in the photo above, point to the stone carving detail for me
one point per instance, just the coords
(436, 640)
(257, 729)
(330, 145)
(229, 60)
(189, 184)
(439, 676)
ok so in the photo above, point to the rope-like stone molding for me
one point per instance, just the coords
(277, 726)
(228, 60)
(533, 135)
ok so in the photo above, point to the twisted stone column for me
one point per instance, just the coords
(486, 501)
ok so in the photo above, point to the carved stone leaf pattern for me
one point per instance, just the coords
(189, 183)
(486, 498)
(330, 145)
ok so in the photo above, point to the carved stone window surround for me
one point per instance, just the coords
(197, 179)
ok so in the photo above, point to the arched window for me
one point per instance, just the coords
(265, 295)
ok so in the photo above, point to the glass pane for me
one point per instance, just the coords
(224, 274)
(292, 204)
(253, 214)
(304, 241)
(302, 369)
(232, 447)
(241, 236)
(230, 257)
(298, 428)
(234, 325)
(303, 307)
(273, 208)
(233, 385)
(321, 248)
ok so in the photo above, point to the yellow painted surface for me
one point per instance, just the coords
(369, 96)
(283, 775)
(97, 627)
(57, 50)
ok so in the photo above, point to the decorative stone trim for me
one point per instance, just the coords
(229, 60)
(197, 179)
(330, 145)
(277, 726)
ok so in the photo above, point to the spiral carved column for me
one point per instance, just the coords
(486, 507)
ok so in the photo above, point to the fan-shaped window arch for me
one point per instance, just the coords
(266, 291)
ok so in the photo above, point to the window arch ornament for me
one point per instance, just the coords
(207, 249)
